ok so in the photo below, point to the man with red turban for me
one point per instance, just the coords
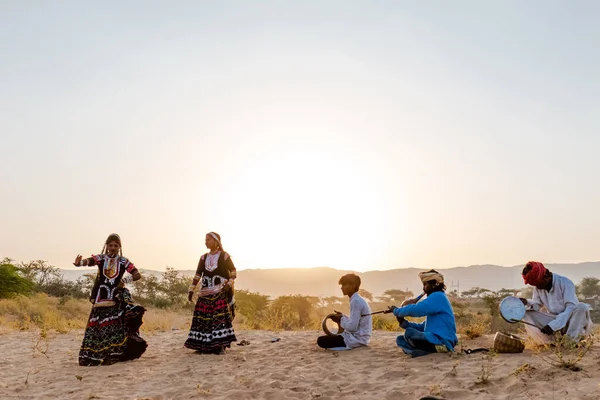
(556, 293)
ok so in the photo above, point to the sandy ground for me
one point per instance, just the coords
(293, 368)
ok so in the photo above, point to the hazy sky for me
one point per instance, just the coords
(350, 134)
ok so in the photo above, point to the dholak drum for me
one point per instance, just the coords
(508, 343)
(330, 327)
(512, 309)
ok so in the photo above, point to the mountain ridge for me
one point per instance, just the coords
(323, 281)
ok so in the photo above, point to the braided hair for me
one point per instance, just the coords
(113, 237)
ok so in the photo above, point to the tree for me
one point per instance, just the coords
(365, 294)
(47, 278)
(396, 295)
(291, 312)
(492, 301)
(86, 282)
(147, 288)
(11, 282)
(253, 306)
(475, 292)
(332, 301)
(508, 292)
(39, 272)
(526, 292)
(174, 287)
(589, 287)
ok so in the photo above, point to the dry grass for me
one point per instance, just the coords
(64, 314)
(164, 320)
(43, 312)
(477, 325)
(385, 323)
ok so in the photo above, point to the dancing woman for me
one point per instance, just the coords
(112, 332)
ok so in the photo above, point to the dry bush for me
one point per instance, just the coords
(474, 326)
(565, 353)
(486, 368)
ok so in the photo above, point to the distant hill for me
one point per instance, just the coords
(323, 281)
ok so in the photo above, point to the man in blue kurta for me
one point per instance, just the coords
(438, 333)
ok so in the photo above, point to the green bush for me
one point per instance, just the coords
(11, 282)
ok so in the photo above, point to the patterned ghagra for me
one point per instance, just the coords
(112, 332)
(212, 328)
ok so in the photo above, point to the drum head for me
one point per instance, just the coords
(512, 309)
(330, 327)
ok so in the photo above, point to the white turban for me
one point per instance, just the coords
(431, 275)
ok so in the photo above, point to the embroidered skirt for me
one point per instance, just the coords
(212, 328)
(112, 334)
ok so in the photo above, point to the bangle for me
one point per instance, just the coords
(81, 264)
(127, 279)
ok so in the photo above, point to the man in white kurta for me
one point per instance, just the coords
(357, 329)
(564, 313)
(358, 326)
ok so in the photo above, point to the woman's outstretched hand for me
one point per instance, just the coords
(77, 260)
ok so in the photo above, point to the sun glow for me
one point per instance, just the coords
(295, 210)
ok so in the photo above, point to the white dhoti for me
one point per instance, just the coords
(579, 324)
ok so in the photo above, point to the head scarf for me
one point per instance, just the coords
(431, 275)
(217, 237)
(536, 274)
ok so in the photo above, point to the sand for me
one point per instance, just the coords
(293, 368)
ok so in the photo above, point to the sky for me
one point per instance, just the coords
(351, 134)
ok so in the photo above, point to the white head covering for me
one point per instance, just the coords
(431, 275)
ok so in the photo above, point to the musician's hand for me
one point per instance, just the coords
(409, 301)
(547, 330)
(400, 321)
(337, 317)
(190, 295)
(390, 309)
(77, 260)
(524, 301)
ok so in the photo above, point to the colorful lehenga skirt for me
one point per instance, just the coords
(212, 328)
(112, 333)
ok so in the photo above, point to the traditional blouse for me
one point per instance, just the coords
(110, 273)
(214, 270)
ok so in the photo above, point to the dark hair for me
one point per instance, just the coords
(437, 286)
(351, 279)
(113, 237)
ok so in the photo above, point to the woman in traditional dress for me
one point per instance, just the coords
(212, 330)
(112, 332)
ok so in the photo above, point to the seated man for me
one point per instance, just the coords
(557, 294)
(357, 329)
(438, 332)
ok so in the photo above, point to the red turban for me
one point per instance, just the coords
(536, 274)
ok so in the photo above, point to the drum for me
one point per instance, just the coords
(330, 327)
(508, 343)
(512, 309)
